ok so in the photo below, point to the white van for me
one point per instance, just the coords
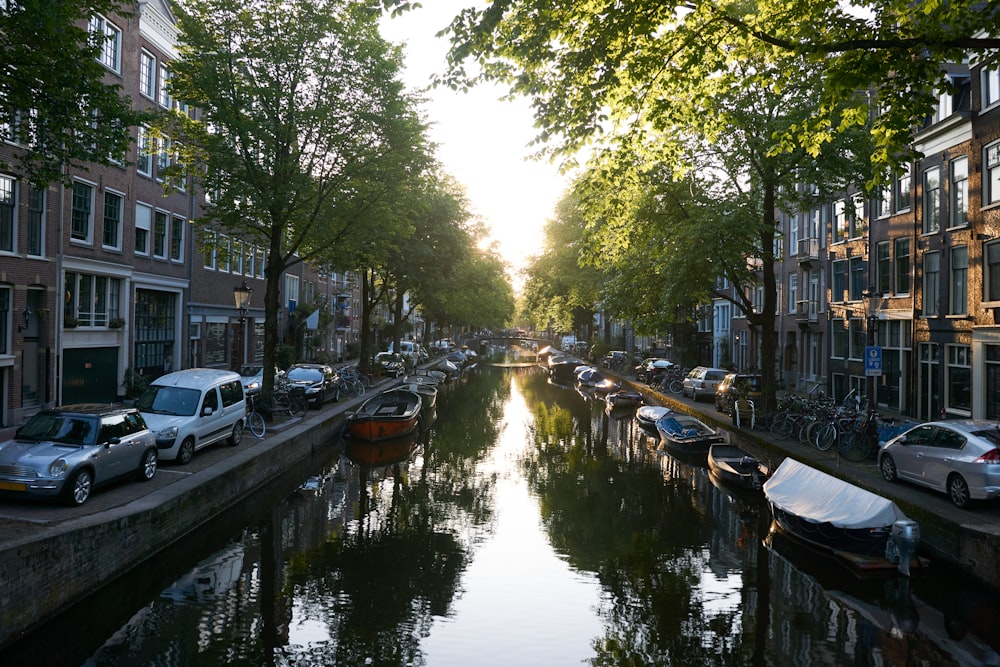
(408, 349)
(190, 409)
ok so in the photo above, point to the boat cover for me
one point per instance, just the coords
(818, 497)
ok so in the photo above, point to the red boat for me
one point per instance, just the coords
(391, 414)
(382, 453)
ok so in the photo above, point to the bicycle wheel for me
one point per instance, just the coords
(788, 427)
(255, 422)
(676, 386)
(297, 406)
(856, 447)
(826, 435)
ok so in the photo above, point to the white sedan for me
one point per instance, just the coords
(958, 457)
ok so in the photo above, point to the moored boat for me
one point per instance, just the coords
(859, 526)
(393, 413)
(647, 416)
(733, 465)
(427, 391)
(687, 436)
(624, 399)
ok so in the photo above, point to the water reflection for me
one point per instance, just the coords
(526, 525)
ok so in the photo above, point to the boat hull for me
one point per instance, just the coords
(392, 414)
(734, 466)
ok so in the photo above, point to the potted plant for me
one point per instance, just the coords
(117, 323)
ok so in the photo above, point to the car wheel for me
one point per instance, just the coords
(888, 468)
(237, 435)
(78, 487)
(958, 491)
(147, 467)
(186, 452)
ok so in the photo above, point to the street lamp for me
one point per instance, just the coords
(27, 320)
(242, 294)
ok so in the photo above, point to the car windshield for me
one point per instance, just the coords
(249, 371)
(307, 374)
(169, 400)
(70, 430)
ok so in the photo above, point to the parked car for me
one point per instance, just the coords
(66, 452)
(703, 381)
(191, 409)
(734, 386)
(958, 457)
(318, 380)
(390, 363)
(253, 377)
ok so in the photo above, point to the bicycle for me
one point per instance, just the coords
(861, 443)
(289, 400)
(255, 420)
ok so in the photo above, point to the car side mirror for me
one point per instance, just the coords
(206, 411)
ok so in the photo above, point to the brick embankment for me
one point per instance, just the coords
(967, 538)
(52, 557)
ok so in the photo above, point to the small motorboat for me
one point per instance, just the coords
(427, 391)
(687, 436)
(393, 413)
(862, 528)
(733, 465)
(624, 399)
(647, 416)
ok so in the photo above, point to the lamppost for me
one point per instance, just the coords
(241, 294)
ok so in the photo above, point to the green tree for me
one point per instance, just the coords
(303, 135)
(589, 65)
(55, 96)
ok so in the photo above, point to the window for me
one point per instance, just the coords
(162, 157)
(4, 320)
(36, 221)
(990, 86)
(93, 300)
(902, 248)
(883, 267)
(841, 343)
(839, 221)
(160, 235)
(884, 203)
(259, 255)
(932, 282)
(839, 292)
(248, 257)
(237, 252)
(147, 74)
(143, 224)
(291, 291)
(858, 338)
(111, 48)
(959, 380)
(858, 284)
(901, 192)
(958, 193)
(144, 147)
(959, 297)
(113, 203)
(858, 224)
(8, 213)
(177, 239)
(793, 291)
(223, 248)
(793, 235)
(211, 255)
(932, 200)
(991, 179)
(83, 212)
(164, 92)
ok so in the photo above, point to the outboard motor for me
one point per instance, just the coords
(904, 538)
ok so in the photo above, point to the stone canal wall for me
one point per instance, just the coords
(45, 571)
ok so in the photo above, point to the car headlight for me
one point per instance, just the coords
(58, 468)
(169, 433)
(253, 386)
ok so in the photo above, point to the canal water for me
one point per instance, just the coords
(525, 526)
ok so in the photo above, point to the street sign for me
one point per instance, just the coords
(873, 360)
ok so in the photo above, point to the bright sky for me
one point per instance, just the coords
(482, 141)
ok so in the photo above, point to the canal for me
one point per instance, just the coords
(525, 526)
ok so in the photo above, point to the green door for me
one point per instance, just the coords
(90, 375)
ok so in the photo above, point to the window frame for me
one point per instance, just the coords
(79, 216)
(147, 74)
(117, 245)
(8, 213)
(931, 284)
(143, 228)
(958, 280)
(931, 201)
(991, 174)
(901, 263)
(110, 54)
(958, 192)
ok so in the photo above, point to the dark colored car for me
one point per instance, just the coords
(735, 386)
(319, 382)
(390, 364)
(66, 452)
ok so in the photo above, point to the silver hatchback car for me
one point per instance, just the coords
(959, 457)
(65, 452)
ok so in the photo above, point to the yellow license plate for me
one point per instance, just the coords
(12, 486)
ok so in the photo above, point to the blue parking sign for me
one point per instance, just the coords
(873, 360)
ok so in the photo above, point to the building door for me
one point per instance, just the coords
(929, 389)
(90, 375)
